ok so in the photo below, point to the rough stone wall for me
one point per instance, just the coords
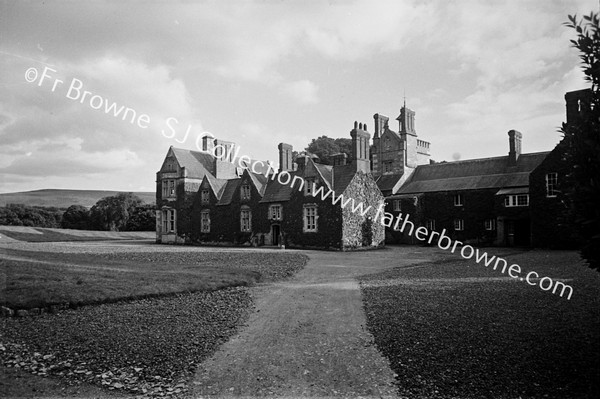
(363, 189)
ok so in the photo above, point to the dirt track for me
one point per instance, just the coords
(308, 335)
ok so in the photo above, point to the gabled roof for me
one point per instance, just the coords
(228, 191)
(217, 185)
(388, 182)
(326, 172)
(473, 174)
(342, 176)
(276, 192)
(197, 164)
(260, 182)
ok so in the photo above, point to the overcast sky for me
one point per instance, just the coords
(264, 72)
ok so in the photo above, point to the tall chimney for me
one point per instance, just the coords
(285, 157)
(360, 147)
(381, 122)
(514, 143)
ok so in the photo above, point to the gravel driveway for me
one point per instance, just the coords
(308, 336)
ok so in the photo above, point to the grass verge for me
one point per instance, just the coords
(457, 329)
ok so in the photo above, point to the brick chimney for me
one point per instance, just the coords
(360, 147)
(514, 143)
(301, 161)
(285, 157)
(339, 159)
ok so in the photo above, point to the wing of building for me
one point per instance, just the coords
(215, 195)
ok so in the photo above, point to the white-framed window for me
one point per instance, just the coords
(459, 224)
(516, 200)
(168, 188)
(275, 212)
(309, 183)
(430, 224)
(388, 166)
(169, 221)
(490, 224)
(310, 218)
(205, 221)
(551, 183)
(458, 200)
(245, 220)
(205, 197)
(396, 205)
(245, 191)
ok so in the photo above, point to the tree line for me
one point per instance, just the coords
(121, 212)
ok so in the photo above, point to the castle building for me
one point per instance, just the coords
(517, 199)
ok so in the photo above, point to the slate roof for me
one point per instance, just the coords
(276, 192)
(326, 172)
(196, 163)
(387, 182)
(228, 191)
(473, 174)
(342, 176)
(218, 185)
(260, 181)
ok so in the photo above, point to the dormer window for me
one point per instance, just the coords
(245, 192)
(309, 185)
(205, 197)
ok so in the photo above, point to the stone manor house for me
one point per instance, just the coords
(209, 196)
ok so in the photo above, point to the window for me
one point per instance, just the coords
(245, 192)
(310, 218)
(169, 221)
(516, 200)
(387, 145)
(459, 224)
(430, 224)
(458, 200)
(205, 197)
(275, 212)
(205, 221)
(490, 224)
(388, 166)
(396, 205)
(551, 183)
(309, 182)
(168, 188)
(246, 220)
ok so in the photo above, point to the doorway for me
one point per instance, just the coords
(275, 233)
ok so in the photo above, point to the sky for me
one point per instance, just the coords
(263, 72)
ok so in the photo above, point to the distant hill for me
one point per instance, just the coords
(65, 198)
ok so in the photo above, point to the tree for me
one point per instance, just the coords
(112, 213)
(76, 217)
(324, 147)
(583, 142)
(143, 218)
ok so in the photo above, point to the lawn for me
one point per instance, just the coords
(40, 234)
(32, 279)
(456, 329)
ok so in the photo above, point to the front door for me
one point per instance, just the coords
(275, 230)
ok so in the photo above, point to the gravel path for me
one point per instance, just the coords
(308, 335)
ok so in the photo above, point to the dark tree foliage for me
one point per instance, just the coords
(113, 213)
(324, 147)
(583, 142)
(32, 216)
(76, 217)
(143, 218)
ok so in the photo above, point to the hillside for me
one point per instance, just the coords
(64, 198)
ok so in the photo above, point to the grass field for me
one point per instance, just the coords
(456, 329)
(32, 279)
(39, 234)
(65, 198)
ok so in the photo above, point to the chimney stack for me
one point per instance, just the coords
(301, 161)
(381, 122)
(339, 159)
(514, 143)
(285, 157)
(360, 147)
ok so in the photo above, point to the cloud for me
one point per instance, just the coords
(304, 91)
